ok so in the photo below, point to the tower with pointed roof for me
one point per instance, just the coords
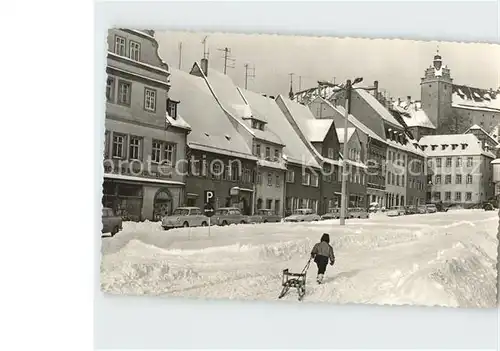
(436, 95)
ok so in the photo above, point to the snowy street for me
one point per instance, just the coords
(430, 259)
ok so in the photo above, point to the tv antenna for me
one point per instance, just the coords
(227, 58)
(247, 75)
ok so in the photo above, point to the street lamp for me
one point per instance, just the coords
(348, 89)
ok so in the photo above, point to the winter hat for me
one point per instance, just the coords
(325, 237)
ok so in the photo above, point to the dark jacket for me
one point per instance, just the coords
(324, 248)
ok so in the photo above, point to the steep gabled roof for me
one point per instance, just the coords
(490, 137)
(231, 99)
(378, 107)
(413, 114)
(211, 128)
(340, 134)
(304, 119)
(294, 149)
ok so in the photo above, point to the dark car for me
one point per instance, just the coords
(264, 216)
(111, 223)
(488, 207)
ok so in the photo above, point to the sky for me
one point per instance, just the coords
(397, 64)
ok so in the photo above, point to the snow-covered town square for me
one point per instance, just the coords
(288, 168)
(427, 259)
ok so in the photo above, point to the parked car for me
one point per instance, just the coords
(302, 215)
(111, 223)
(396, 211)
(357, 212)
(334, 213)
(431, 208)
(185, 217)
(440, 207)
(409, 210)
(488, 207)
(229, 215)
(264, 216)
(374, 207)
(422, 209)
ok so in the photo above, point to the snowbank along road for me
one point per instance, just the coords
(446, 259)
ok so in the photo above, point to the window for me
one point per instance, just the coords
(469, 161)
(134, 50)
(468, 196)
(106, 143)
(403, 180)
(437, 196)
(169, 153)
(314, 180)
(330, 153)
(458, 196)
(269, 179)
(447, 196)
(277, 205)
(306, 180)
(257, 150)
(397, 179)
(269, 204)
(135, 148)
(216, 170)
(110, 89)
(268, 153)
(448, 162)
(447, 179)
(150, 100)
(438, 162)
(124, 90)
(438, 179)
(172, 108)
(290, 176)
(458, 162)
(156, 152)
(120, 46)
(469, 179)
(118, 145)
(259, 178)
(458, 179)
(235, 172)
(278, 181)
(276, 155)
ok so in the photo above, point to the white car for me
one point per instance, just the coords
(303, 215)
(396, 211)
(185, 217)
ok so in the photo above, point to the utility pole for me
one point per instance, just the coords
(348, 90)
(290, 93)
(205, 51)
(248, 75)
(300, 83)
(227, 52)
(180, 55)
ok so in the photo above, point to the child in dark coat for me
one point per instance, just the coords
(322, 252)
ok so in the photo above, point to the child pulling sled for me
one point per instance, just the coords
(321, 253)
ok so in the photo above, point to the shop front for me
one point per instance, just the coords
(138, 200)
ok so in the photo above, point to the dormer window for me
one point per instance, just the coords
(453, 146)
(464, 146)
(444, 146)
(172, 108)
(433, 147)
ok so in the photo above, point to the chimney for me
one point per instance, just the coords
(399, 101)
(408, 98)
(204, 66)
(375, 92)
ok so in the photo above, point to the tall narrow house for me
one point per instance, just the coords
(145, 142)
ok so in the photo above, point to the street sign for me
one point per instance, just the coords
(208, 210)
(209, 196)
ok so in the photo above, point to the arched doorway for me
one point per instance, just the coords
(162, 204)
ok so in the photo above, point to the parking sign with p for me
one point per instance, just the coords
(209, 196)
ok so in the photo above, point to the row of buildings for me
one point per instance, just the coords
(172, 135)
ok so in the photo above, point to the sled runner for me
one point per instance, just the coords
(294, 280)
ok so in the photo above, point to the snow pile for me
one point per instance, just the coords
(446, 259)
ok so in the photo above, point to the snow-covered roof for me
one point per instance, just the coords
(316, 129)
(409, 147)
(453, 145)
(178, 122)
(494, 133)
(478, 128)
(340, 134)
(294, 149)
(471, 98)
(303, 116)
(231, 99)
(211, 128)
(378, 107)
(413, 114)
